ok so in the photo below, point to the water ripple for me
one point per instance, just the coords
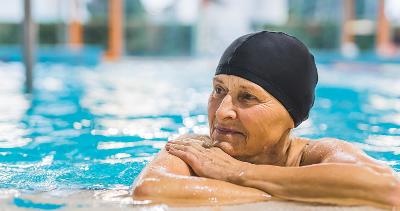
(120, 145)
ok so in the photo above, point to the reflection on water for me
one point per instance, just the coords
(150, 88)
(13, 106)
(96, 128)
(119, 145)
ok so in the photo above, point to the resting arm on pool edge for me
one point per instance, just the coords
(335, 172)
(167, 179)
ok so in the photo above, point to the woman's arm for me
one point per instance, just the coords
(336, 183)
(336, 173)
(167, 179)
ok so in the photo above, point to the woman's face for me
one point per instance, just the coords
(244, 119)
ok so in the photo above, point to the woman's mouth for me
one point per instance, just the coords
(227, 131)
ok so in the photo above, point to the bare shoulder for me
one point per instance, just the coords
(165, 163)
(164, 166)
(331, 150)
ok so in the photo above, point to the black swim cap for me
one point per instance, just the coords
(277, 62)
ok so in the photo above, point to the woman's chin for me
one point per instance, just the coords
(226, 147)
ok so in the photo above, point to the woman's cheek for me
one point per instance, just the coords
(256, 121)
(211, 111)
(252, 131)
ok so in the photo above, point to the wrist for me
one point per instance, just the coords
(263, 177)
(239, 176)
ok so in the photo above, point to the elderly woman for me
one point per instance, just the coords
(263, 88)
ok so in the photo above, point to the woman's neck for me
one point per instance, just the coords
(276, 155)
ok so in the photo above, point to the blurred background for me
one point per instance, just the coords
(91, 90)
(94, 30)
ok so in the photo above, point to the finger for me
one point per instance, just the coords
(221, 154)
(207, 144)
(195, 149)
(187, 157)
(168, 145)
(178, 142)
(217, 150)
(196, 146)
(179, 147)
(179, 153)
(186, 141)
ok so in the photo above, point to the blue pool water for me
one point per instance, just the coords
(96, 128)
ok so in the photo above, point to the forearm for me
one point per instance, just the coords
(173, 189)
(344, 184)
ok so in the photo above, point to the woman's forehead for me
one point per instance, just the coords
(237, 82)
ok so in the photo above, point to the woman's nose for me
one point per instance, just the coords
(226, 109)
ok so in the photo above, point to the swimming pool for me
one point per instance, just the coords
(95, 128)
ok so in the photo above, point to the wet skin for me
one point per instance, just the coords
(250, 154)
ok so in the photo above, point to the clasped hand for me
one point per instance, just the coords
(205, 160)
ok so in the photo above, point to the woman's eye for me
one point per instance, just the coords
(247, 96)
(218, 90)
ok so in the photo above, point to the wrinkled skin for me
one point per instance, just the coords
(258, 122)
(205, 162)
(250, 149)
(247, 125)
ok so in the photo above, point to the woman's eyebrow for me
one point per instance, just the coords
(249, 88)
(253, 91)
(218, 80)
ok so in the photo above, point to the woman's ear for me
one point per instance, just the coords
(291, 124)
(289, 121)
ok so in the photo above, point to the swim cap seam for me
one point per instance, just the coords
(235, 51)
